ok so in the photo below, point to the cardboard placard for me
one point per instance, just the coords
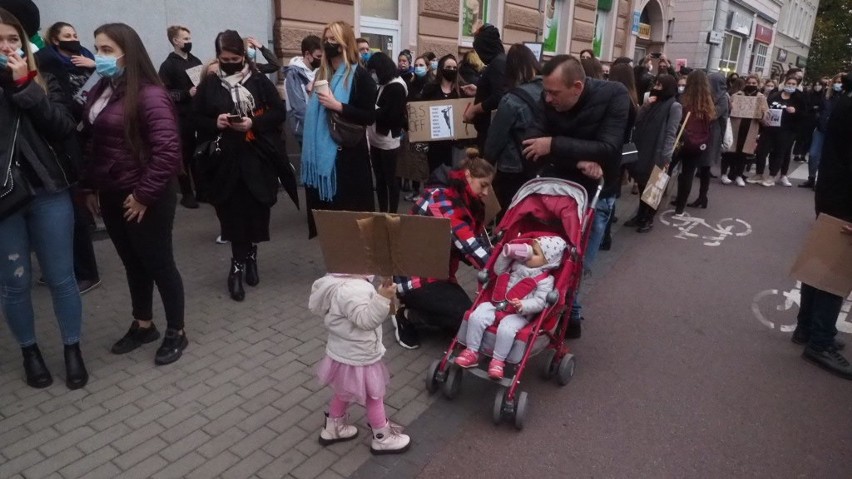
(439, 120)
(745, 106)
(825, 261)
(656, 188)
(384, 244)
(492, 208)
(773, 117)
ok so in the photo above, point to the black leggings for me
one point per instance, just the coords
(387, 187)
(684, 181)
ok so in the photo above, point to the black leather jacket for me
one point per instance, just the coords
(42, 123)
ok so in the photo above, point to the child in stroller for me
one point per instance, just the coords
(520, 292)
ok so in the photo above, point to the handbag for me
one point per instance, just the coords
(629, 152)
(345, 133)
(728, 138)
(16, 190)
(207, 151)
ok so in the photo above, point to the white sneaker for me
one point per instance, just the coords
(756, 179)
(336, 430)
(768, 181)
(726, 180)
(219, 240)
(740, 181)
(389, 440)
(785, 181)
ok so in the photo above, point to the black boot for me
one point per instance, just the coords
(252, 278)
(235, 281)
(808, 184)
(76, 375)
(37, 374)
(700, 202)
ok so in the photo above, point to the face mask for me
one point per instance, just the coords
(72, 46)
(433, 65)
(4, 60)
(366, 56)
(654, 93)
(838, 87)
(331, 50)
(449, 74)
(817, 87)
(316, 62)
(231, 68)
(420, 71)
(251, 53)
(750, 89)
(108, 66)
(789, 89)
(187, 47)
(681, 89)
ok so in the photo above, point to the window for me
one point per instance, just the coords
(760, 53)
(730, 53)
(380, 25)
(387, 9)
(475, 13)
(550, 32)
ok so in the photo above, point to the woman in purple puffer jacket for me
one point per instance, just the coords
(135, 156)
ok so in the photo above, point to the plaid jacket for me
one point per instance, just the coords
(454, 200)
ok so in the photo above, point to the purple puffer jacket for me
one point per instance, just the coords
(112, 167)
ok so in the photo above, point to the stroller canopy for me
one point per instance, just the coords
(547, 204)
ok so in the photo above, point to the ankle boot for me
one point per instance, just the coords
(37, 374)
(76, 375)
(252, 278)
(700, 202)
(235, 281)
(389, 440)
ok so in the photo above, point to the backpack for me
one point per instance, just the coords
(696, 136)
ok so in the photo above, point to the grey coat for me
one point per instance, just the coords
(713, 154)
(654, 137)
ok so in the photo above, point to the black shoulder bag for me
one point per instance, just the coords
(15, 190)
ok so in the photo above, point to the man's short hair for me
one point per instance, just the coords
(362, 40)
(571, 69)
(174, 30)
(311, 43)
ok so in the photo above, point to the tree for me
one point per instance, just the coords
(831, 45)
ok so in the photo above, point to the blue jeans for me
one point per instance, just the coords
(815, 154)
(603, 211)
(818, 316)
(45, 226)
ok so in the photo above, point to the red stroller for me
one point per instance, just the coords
(542, 206)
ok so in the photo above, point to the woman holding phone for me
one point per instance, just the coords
(241, 107)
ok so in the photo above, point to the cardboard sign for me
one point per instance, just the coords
(825, 261)
(656, 188)
(745, 106)
(194, 74)
(773, 117)
(492, 208)
(439, 120)
(384, 244)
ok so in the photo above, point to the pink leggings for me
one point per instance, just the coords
(375, 410)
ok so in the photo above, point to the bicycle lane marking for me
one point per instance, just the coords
(723, 229)
(792, 298)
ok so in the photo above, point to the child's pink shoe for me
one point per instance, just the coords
(467, 359)
(495, 369)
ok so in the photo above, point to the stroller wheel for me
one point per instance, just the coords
(431, 379)
(499, 406)
(549, 366)
(452, 385)
(566, 370)
(521, 406)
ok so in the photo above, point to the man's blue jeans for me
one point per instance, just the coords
(45, 226)
(603, 211)
(815, 154)
(818, 312)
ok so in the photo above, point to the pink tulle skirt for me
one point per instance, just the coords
(354, 383)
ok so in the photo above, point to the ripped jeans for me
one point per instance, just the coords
(45, 226)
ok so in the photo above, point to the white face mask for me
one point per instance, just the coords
(681, 89)
(838, 87)
(789, 89)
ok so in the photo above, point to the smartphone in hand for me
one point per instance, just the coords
(235, 119)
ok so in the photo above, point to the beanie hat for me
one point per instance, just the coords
(487, 44)
(26, 12)
(552, 247)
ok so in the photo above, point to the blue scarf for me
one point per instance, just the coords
(319, 151)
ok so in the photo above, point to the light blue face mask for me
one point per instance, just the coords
(251, 53)
(838, 87)
(366, 56)
(108, 66)
(789, 89)
(4, 60)
(420, 71)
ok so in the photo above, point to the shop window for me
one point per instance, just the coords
(601, 27)
(387, 9)
(730, 53)
(474, 14)
(760, 53)
(380, 25)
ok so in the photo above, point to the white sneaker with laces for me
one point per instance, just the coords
(740, 181)
(785, 181)
(726, 180)
(769, 181)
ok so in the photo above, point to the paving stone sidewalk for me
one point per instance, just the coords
(242, 402)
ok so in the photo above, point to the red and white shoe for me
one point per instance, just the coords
(467, 359)
(495, 369)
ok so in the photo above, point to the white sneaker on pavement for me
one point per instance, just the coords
(755, 179)
(726, 180)
(740, 181)
(768, 181)
(389, 440)
(785, 181)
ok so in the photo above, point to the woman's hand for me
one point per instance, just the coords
(93, 204)
(791, 110)
(469, 90)
(326, 99)
(254, 43)
(19, 67)
(222, 122)
(82, 62)
(133, 210)
(242, 126)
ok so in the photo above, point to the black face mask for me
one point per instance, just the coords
(72, 46)
(231, 68)
(450, 74)
(316, 62)
(750, 89)
(187, 47)
(330, 50)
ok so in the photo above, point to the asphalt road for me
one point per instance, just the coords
(676, 376)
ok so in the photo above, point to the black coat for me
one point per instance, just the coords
(489, 91)
(253, 161)
(391, 110)
(834, 188)
(591, 131)
(173, 74)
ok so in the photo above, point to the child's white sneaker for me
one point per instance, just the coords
(389, 440)
(336, 430)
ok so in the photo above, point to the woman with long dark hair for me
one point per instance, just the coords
(697, 102)
(135, 159)
(386, 132)
(338, 177)
(242, 108)
(35, 112)
(713, 154)
(444, 87)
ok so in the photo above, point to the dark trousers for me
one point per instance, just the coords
(775, 143)
(146, 250)
(387, 187)
(188, 175)
(438, 305)
(733, 164)
(818, 315)
(703, 181)
(684, 181)
(85, 263)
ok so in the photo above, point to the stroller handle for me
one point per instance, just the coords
(588, 217)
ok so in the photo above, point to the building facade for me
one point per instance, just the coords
(794, 30)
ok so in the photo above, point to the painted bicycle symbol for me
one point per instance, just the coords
(771, 307)
(690, 227)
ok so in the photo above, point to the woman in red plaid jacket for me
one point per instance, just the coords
(455, 194)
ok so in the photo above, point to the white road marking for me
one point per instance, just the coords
(792, 298)
(726, 227)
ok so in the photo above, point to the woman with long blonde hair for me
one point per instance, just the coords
(338, 176)
(697, 101)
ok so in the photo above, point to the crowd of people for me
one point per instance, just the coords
(107, 134)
